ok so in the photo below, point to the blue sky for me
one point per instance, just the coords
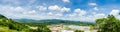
(78, 10)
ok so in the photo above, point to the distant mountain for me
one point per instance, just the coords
(53, 21)
(45, 20)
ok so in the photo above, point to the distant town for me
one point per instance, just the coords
(69, 28)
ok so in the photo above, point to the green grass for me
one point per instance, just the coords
(6, 29)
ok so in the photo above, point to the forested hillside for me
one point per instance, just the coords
(54, 21)
(8, 25)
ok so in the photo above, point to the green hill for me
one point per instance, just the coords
(9, 25)
(54, 21)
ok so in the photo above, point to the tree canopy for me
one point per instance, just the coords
(108, 24)
(78, 31)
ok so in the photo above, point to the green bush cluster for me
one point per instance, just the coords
(108, 24)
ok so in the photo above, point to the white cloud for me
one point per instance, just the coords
(12, 12)
(9, 10)
(99, 16)
(115, 12)
(80, 12)
(50, 13)
(58, 8)
(95, 8)
(71, 15)
(42, 8)
(58, 14)
(89, 18)
(33, 12)
(93, 17)
(66, 0)
(65, 9)
(92, 4)
(13, 9)
(54, 8)
(18, 9)
(78, 15)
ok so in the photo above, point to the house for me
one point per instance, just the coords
(55, 28)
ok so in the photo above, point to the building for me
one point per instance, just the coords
(55, 28)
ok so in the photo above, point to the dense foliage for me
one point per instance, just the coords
(78, 31)
(8, 25)
(109, 24)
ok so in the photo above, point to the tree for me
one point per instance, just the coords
(1, 16)
(109, 24)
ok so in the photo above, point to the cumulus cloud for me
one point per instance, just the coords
(89, 18)
(54, 8)
(58, 8)
(58, 14)
(12, 9)
(18, 8)
(80, 15)
(94, 17)
(50, 13)
(80, 12)
(95, 8)
(30, 12)
(42, 8)
(65, 9)
(71, 15)
(12, 12)
(66, 1)
(114, 12)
